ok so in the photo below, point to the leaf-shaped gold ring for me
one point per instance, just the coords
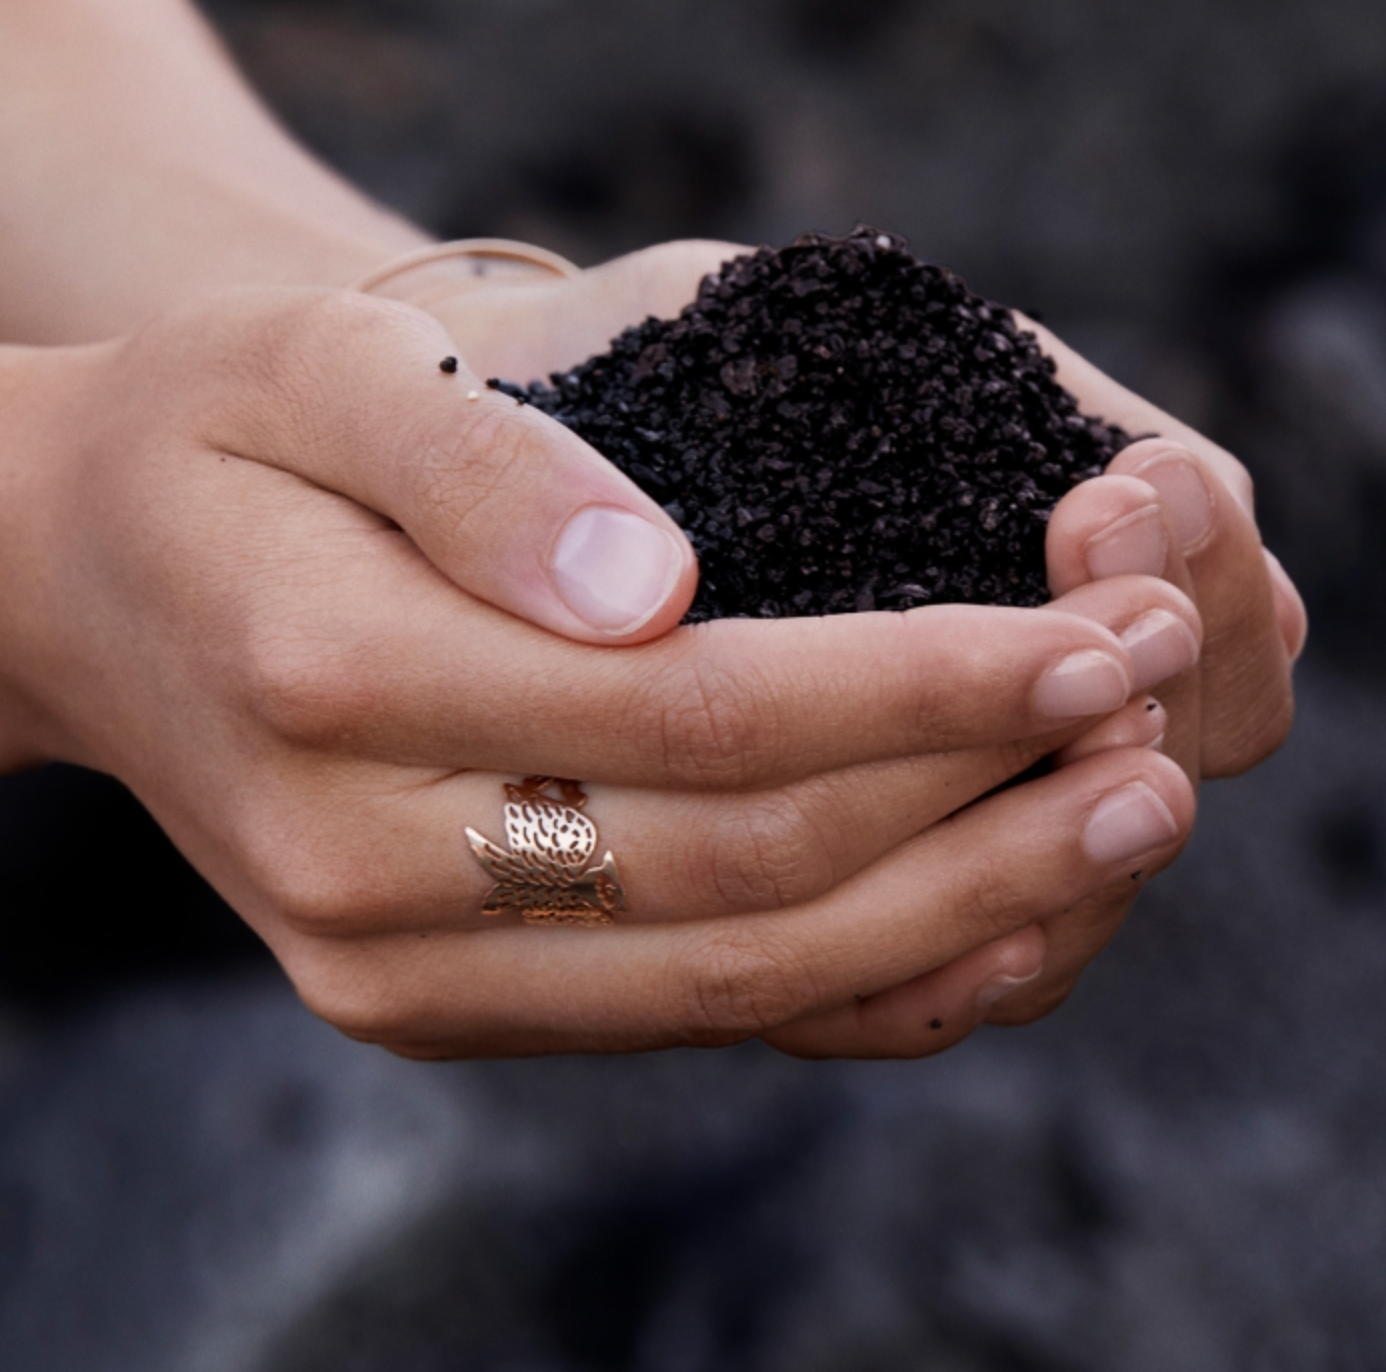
(545, 874)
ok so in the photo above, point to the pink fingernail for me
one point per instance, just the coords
(1086, 683)
(613, 569)
(1185, 495)
(1136, 545)
(1161, 646)
(1022, 955)
(1128, 823)
(1001, 986)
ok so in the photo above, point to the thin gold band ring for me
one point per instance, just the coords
(479, 250)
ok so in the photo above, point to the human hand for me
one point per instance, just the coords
(1206, 542)
(149, 659)
(1177, 507)
(271, 567)
(1254, 620)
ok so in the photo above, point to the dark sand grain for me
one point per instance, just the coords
(839, 426)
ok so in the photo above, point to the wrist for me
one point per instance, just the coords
(47, 624)
(26, 736)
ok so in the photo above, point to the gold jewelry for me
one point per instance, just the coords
(544, 876)
(431, 267)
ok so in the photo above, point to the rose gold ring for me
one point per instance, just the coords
(484, 254)
(545, 875)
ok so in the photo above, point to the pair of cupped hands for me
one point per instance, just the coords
(315, 600)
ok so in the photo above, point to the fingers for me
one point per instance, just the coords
(410, 673)
(384, 657)
(993, 869)
(347, 393)
(1142, 724)
(1254, 619)
(1110, 526)
(1247, 699)
(1103, 532)
(924, 1016)
(350, 852)
(1160, 507)
(1073, 939)
(1076, 935)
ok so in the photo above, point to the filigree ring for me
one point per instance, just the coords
(548, 876)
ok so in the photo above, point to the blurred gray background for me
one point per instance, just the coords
(1183, 1169)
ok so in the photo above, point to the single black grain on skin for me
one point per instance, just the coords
(448, 365)
(839, 426)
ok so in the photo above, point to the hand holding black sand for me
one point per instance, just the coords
(272, 567)
(1256, 617)
(668, 387)
(302, 537)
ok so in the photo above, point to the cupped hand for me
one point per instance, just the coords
(1174, 505)
(271, 566)
(521, 327)
(1254, 619)
(1178, 506)
(1187, 514)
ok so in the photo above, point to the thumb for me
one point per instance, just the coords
(504, 501)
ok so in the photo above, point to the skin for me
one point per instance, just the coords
(1217, 720)
(269, 566)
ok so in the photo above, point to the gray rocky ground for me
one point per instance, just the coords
(1184, 1168)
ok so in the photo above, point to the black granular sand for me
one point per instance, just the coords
(839, 426)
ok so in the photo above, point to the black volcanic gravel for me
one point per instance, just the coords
(839, 426)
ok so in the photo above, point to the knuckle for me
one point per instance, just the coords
(945, 717)
(320, 890)
(990, 904)
(350, 998)
(766, 854)
(311, 346)
(318, 901)
(284, 680)
(290, 341)
(308, 689)
(737, 983)
(712, 727)
(315, 324)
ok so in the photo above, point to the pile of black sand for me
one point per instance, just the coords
(839, 426)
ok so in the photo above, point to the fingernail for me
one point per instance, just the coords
(1185, 495)
(1128, 823)
(613, 569)
(1136, 545)
(1086, 683)
(1161, 646)
(1293, 604)
(999, 986)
